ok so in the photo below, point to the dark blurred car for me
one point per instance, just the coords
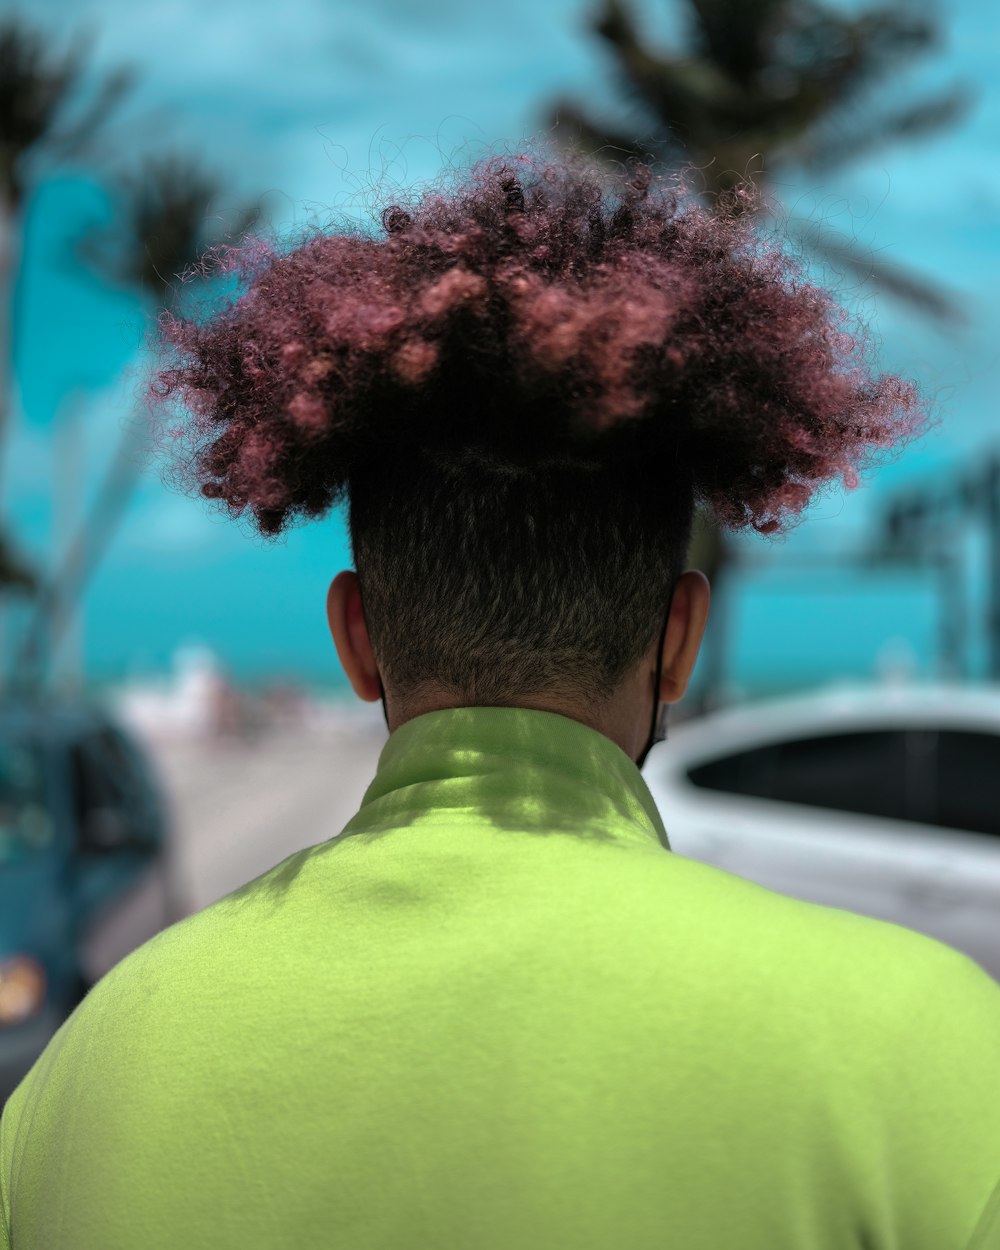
(83, 825)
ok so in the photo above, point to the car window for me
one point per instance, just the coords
(94, 789)
(968, 788)
(26, 822)
(865, 771)
(742, 772)
(107, 779)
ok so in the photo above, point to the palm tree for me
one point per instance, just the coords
(764, 87)
(162, 210)
(37, 93)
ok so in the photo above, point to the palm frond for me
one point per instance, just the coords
(841, 57)
(818, 154)
(163, 210)
(685, 93)
(76, 140)
(570, 126)
(902, 283)
(35, 92)
(735, 35)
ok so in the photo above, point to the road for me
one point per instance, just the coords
(241, 807)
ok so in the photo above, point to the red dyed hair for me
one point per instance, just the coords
(483, 342)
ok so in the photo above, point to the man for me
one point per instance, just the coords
(497, 1011)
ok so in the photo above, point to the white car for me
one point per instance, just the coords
(877, 799)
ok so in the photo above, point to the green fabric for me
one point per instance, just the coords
(498, 1011)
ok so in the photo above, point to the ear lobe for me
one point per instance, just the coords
(345, 615)
(330, 608)
(334, 605)
(337, 613)
(692, 597)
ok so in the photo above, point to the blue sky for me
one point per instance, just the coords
(317, 104)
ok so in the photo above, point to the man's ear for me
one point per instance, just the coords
(685, 630)
(346, 618)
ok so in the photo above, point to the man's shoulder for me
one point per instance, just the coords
(216, 933)
(189, 960)
(171, 957)
(831, 946)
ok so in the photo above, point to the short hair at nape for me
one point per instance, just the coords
(524, 384)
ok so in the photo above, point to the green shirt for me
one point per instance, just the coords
(497, 1011)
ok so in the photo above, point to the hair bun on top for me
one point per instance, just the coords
(523, 316)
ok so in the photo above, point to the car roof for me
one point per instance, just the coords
(847, 706)
(49, 717)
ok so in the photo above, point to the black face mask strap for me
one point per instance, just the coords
(658, 728)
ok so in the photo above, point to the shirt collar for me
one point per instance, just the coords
(515, 767)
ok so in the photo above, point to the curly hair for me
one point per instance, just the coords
(524, 387)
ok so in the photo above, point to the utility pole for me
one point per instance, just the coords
(911, 533)
(991, 503)
(69, 454)
(952, 621)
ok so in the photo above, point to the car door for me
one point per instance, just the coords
(120, 888)
(35, 914)
(963, 797)
(847, 819)
(36, 925)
